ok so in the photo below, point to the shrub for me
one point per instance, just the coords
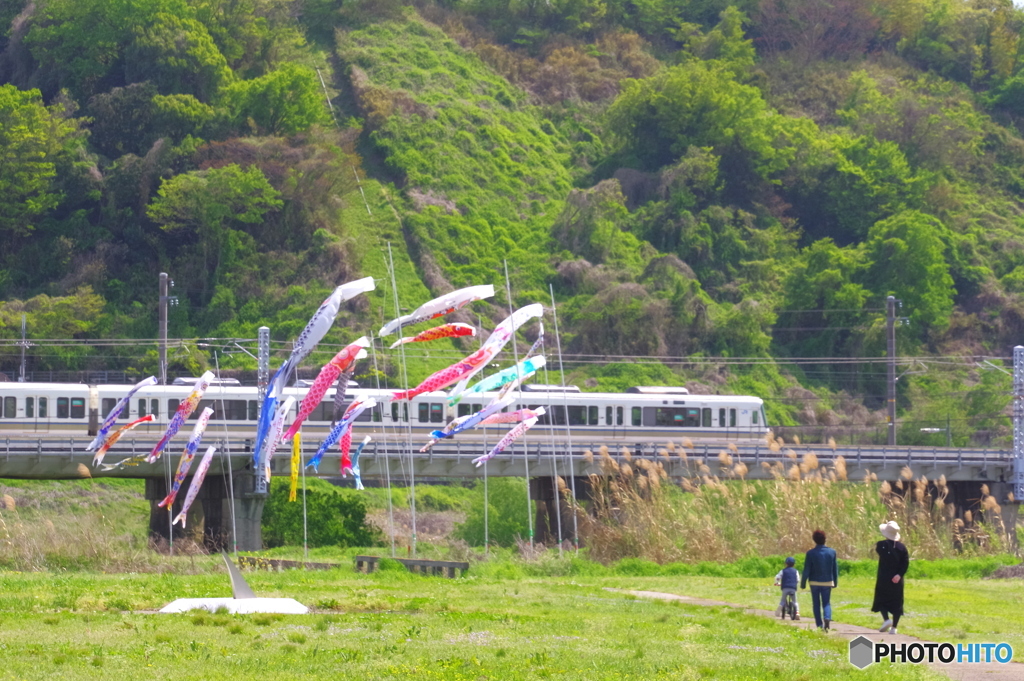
(335, 517)
(506, 513)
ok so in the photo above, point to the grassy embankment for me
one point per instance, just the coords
(394, 625)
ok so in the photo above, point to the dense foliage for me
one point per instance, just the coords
(705, 184)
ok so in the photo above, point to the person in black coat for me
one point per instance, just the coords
(893, 561)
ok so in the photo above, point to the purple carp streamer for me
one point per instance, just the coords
(317, 327)
(105, 447)
(438, 307)
(509, 438)
(443, 331)
(115, 413)
(197, 482)
(187, 456)
(351, 414)
(185, 410)
(339, 365)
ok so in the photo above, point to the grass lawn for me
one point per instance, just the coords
(936, 609)
(396, 625)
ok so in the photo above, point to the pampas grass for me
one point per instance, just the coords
(725, 517)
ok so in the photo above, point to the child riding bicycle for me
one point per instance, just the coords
(788, 578)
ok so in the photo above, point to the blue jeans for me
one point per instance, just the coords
(821, 597)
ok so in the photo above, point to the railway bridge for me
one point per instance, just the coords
(231, 488)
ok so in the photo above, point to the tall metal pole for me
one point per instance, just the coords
(1018, 423)
(890, 334)
(262, 364)
(262, 380)
(163, 328)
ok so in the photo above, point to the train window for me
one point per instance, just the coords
(367, 415)
(592, 416)
(478, 407)
(721, 418)
(706, 417)
(30, 404)
(154, 407)
(424, 413)
(108, 404)
(43, 403)
(10, 407)
(62, 407)
(377, 413)
(394, 411)
(679, 417)
(203, 404)
(436, 412)
(464, 410)
(753, 417)
(142, 408)
(78, 407)
(234, 410)
(608, 416)
(618, 416)
(637, 416)
(577, 415)
(732, 418)
(172, 406)
(254, 410)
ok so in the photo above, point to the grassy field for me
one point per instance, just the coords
(396, 625)
(936, 609)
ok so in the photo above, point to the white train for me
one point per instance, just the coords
(642, 414)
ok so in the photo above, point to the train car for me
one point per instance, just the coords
(642, 414)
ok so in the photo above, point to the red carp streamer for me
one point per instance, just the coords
(443, 331)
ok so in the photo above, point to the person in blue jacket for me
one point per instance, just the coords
(822, 571)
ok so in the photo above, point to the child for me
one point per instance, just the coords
(788, 578)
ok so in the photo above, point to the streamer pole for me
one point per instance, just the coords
(408, 425)
(568, 428)
(526, 450)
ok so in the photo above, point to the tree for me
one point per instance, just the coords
(178, 56)
(702, 104)
(907, 259)
(32, 140)
(282, 102)
(201, 208)
(80, 44)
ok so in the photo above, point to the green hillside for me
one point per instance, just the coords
(721, 196)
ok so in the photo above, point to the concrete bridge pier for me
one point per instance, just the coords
(542, 491)
(967, 496)
(212, 512)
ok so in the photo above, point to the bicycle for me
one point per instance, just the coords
(790, 608)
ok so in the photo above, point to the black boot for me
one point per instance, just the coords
(826, 624)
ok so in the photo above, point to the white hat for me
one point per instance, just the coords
(890, 530)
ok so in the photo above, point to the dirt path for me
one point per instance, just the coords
(993, 671)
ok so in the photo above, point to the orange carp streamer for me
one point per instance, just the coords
(444, 331)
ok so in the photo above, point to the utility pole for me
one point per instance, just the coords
(165, 300)
(163, 328)
(1018, 423)
(24, 344)
(890, 334)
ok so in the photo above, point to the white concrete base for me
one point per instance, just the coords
(239, 606)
